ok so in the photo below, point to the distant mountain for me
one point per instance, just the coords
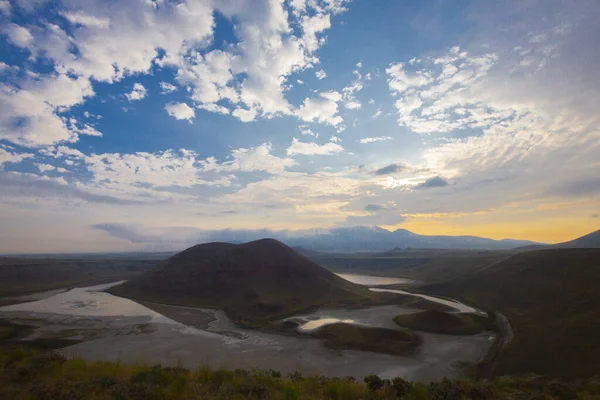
(361, 238)
(552, 301)
(252, 282)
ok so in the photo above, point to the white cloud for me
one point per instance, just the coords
(167, 87)
(323, 109)
(10, 157)
(180, 111)
(335, 139)
(311, 148)
(375, 139)
(44, 167)
(377, 114)
(138, 92)
(36, 104)
(250, 160)
(320, 74)
(18, 35)
(244, 115)
(348, 93)
(87, 20)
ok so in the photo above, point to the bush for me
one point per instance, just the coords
(373, 382)
(401, 386)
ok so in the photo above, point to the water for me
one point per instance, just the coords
(89, 301)
(459, 307)
(114, 325)
(369, 280)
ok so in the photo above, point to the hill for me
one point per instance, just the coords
(551, 299)
(440, 322)
(252, 282)
(426, 265)
(589, 241)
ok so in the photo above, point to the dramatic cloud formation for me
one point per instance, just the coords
(295, 119)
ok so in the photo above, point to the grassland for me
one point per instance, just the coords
(379, 340)
(426, 265)
(441, 322)
(29, 375)
(551, 299)
(20, 276)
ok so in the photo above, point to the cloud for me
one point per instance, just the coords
(434, 182)
(349, 92)
(323, 109)
(250, 160)
(320, 74)
(18, 35)
(388, 169)
(10, 157)
(20, 185)
(44, 167)
(138, 92)
(167, 87)
(311, 148)
(377, 114)
(375, 139)
(29, 114)
(373, 207)
(180, 111)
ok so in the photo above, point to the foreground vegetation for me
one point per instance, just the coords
(551, 299)
(26, 374)
(443, 322)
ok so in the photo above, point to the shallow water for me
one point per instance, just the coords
(88, 301)
(459, 307)
(370, 280)
(124, 330)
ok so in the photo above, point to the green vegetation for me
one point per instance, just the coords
(20, 276)
(27, 374)
(254, 283)
(551, 299)
(427, 265)
(441, 322)
(380, 340)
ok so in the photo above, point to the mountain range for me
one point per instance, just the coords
(364, 238)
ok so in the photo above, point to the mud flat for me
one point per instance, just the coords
(120, 329)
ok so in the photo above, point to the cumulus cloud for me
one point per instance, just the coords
(323, 109)
(320, 74)
(138, 92)
(375, 139)
(11, 157)
(180, 111)
(44, 167)
(311, 148)
(18, 35)
(167, 87)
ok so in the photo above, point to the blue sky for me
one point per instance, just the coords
(177, 117)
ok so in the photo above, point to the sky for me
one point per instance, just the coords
(125, 118)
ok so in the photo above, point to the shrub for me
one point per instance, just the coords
(373, 382)
(401, 386)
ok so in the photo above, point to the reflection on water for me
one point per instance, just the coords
(459, 307)
(319, 323)
(368, 280)
(89, 301)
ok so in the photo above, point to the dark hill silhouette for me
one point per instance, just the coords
(252, 281)
(589, 241)
(551, 298)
